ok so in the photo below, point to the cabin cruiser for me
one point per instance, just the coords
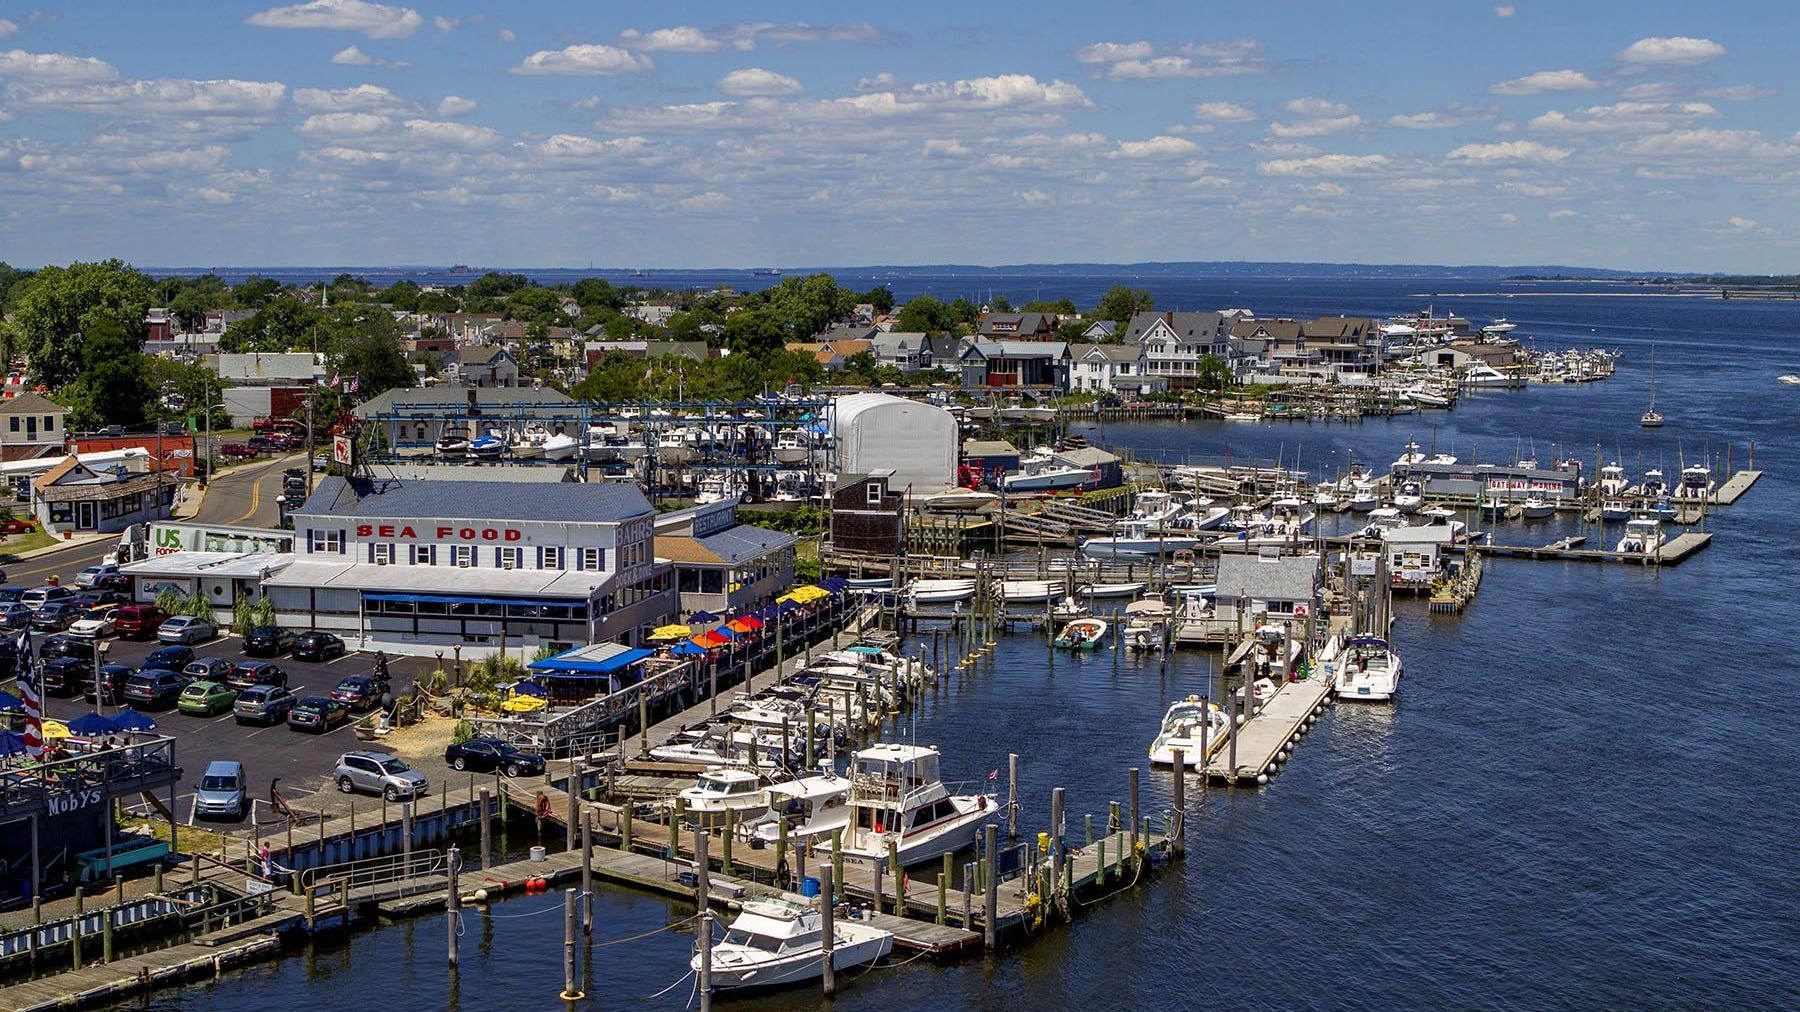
(719, 746)
(812, 807)
(962, 500)
(1082, 634)
(897, 800)
(1643, 536)
(720, 487)
(1154, 507)
(1425, 396)
(1536, 507)
(1364, 669)
(778, 943)
(1043, 473)
(1409, 497)
(1500, 326)
(1483, 375)
(723, 790)
(1614, 511)
(792, 447)
(451, 443)
(1696, 482)
(1612, 480)
(1412, 456)
(1788, 379)
(1193, 725)
(1135, 538)
(1363, 497)
(1381, 521)
(1146, 623)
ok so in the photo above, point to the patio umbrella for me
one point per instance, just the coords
(708, 639)
(11, 743)
(724, 632)
(530, 688)
(8, 701)
(670, 632)
(90, 724)
(702, 617)
(687, 648)
(131, 720)
(744, 624)
(55, 729)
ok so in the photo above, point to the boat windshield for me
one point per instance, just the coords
(750, 941)
(1184, 716)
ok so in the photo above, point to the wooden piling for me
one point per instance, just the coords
(990, 910)
(1176, 843)
(587, 872)
(828, 931)
(452, 901)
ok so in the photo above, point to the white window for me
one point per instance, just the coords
(874, 494)
(592, 560)
(508, 557)
(423, 555)
(462, 555)
(382, 554)
(550, 558)
(318, 542)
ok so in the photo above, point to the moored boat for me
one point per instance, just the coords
(899, 805)
(778, 943)
(1193, 725)
(1082, 634)
(1364, 669)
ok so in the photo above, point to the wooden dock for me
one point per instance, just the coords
(106, 983)
(1266, 740)
(1672, 552)
(1734, 487)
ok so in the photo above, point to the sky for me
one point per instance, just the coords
(1638, 135)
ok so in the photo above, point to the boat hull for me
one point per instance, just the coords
(853, 945)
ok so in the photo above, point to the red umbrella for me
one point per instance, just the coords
(744, 624)
(710, 639)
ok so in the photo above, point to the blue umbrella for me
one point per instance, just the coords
(8, 702)
(529, 688)
(90, 724)
(688, 648)
(131, 720)
(702, 617)
(11, 743)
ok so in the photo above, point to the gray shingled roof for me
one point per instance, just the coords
(1288, 578)
(745, 542)
(476, 500)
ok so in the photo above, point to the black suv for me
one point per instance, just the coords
(109, 687)
(248, 673)
(66, 646)
(65, 676)
(267, 641)
(172, 658)
(152, 688)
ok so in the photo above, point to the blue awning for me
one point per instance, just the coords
(563, 662)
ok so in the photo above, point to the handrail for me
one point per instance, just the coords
(375, 870)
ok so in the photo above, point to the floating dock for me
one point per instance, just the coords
(1266, 739)
(1672, 552)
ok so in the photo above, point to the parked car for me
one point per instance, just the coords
(318, 714)
(203, 699)
(320, 462)
(236, 451)
(118, 583)
(222, 790)
(11, 594)
(267, 641)
(263, 704)
(378, 773)
(65, 645)
(248, 673)
(13, 525)
(9, 656)
(484, 755)
(98, 596)
(92, 574)
(151, 688)
(186, 629)
(359, 692)
(39, 596)
(172, 658)
(207, 669)
(281, 442)
(14, 615)
(65, 676)
(138, 621)
(95, 623)
(259, 444)
(107, 686)
(55, 616)
(314, 645)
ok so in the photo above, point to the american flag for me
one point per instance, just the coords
(28, 692)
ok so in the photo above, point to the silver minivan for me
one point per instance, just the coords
(222, 791)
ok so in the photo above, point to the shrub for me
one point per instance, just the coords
(462, 732)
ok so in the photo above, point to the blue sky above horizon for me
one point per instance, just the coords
(1637, 135)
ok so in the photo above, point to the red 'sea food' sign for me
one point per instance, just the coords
(406, 531)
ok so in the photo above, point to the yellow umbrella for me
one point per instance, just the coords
(670, 632)
(524, 704)
(55, 729)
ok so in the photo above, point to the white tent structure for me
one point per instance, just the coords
(877, 432)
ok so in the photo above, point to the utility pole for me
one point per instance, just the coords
(309, 438)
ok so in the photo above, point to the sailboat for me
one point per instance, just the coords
(1652, 418)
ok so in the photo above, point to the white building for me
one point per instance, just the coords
(418, 566)
(1416, 554)
(1174, 343)
(1112, 369)
(880, 432)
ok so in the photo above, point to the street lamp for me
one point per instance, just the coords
(101, 690)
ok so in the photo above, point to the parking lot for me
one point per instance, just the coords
(301, 761)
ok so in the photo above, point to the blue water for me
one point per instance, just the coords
(1583, 800)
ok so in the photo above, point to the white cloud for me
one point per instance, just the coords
(54, 68)
(1743, 224)
(1113, 52)
(744, 37)
(1324, 165)
(1525, 188)
(167, 97)
(461, 136)
(1316, 107)
(343, 125)
(1440, 119)
(1509, 219)
(452, 106)
(213, 195)
(583, 61)
(588, 149)
(506, 35)
(377, 21)
(755, 81)
(1679, 50)
(1033, 196)
(351, 56)
(711, 200)
(681, 39)
(1160, 146)
(8, 29)
(363, 97)
(1546, 80)
(1316, 127)
(1739, 93)
(1702, 144)
(1624, 117)
(940, 147)
(1504, 10)
(1224, 112)
(1235, 58)
(1503, 152)
(1562, 214)
(444, 24)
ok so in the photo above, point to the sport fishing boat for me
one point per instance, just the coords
(720, 790)
(1409, 497)
(1193, 725)
(1536, 507)
(1146, 623)
(1082, 634)
(1364, 669)
(897, 801)
(1696, 482)
(1614, 511)
(560, 446)
(1612, 480)
(1044, 474)
(1643, 536)
(779, 943)
(1135, 538)
(812, 807)
(1363, 497)
(962, 500)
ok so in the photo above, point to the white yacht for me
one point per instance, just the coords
(1412, 456)
(528, 443)
(1194, 726)
(792, 447)
(1409, 497)
(1364, 669)
(1381, 521)
(897, 799)
(1426, 397)
(1612, 480)
(1153, 507)
(1788, 379)
(719, 747)
(1614, 511)
(1643, 536)
(1536, 507)
(1135, 538)
(1696, 482)
(1146, 621)
(1483, 375)
(778, 943)
(1045, 474)
(1364, 497)
(813, 808)
(1500, 326)
(723, 789)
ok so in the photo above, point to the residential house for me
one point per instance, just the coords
(868, 515)
(833, 355)
(570, 308)
(1346, 345)
(484, 365)
(469, 326)
(1017, 326)
(265, 384)
(1174, 343)
(1101, 332)
(943, 352)
(1116, 368)
(1266, 350)
(1462, 354)
(722, 565)
(1016, 363)
(31, 425)
(655, 314)
(904, 350)
(73, 496)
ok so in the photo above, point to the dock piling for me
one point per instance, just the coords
(1056, 832)
(828, 934)
(1012, 795)
(452, 902)
(569, 991)
(1134, 808)
(406, 835)
(705, 982)
(1179, 821)
(943, 907)
(702, 869)
(990, 910)
(574, 814)
(587, 872)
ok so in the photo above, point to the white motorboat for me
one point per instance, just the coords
(1069, 608)
(1500, 326)
(1643, 536)
(1047, 476)
(560, 446)
(1196, 727)
(1483, 375)
(1654, 486)
(1209, 518)
(1696, 482)
(962, 500)
(1146, 623)
(1262, 690)
(1364, 669)
(1536, 507)
(813, 808)
(1612, 480)
(1424, 396)
(452, 443)
(1789, 379)
(720, 487)
(487, 446)
(1363, 497)
(940, 591)
(779, 943)
(1153, 507)
(1381, 521)
(528, 443)
(792, 447)
(1113, 589)
(1135, 538)
(1614, 511)
(734, 748)
(1032, 591)
(721, 790)
(1409, 497)
(1406, 460)
(897, 801)
(1082, 634)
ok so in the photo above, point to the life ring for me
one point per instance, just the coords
(1299, 611)
(543, 805)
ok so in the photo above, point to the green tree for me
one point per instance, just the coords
(616, 377)
(254, 291)
(598, 293)
(1213, 373)
(964, 311)
(1062, 307)
(861, 367)
(284, 323)
(403, 295)
(113, 386)
(365, 344)
(881, 297)
(494, 285)
(802, 307)
(753, 332)
(189, 307)
(195, 385)
(62, 304)
(11, 277)
(926, 314)
(1120, 302)
(1000, 304)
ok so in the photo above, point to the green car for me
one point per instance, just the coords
(203, 699)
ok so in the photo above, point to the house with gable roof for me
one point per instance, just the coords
(1174, 343)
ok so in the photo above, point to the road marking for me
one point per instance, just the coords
(255, 500)
(341, 659)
